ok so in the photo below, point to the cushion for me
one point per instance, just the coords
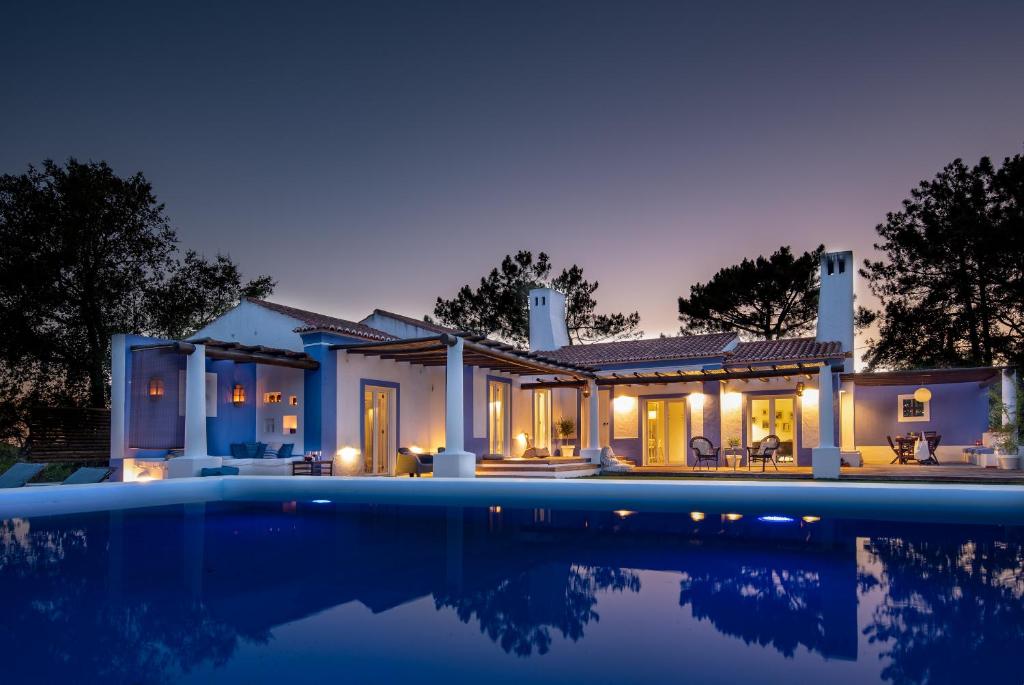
(219, 471)
(150, 454)
(250, 449)
(261, 449)
(271, 451)
(238, 451)
(541, 452)
(286, 450)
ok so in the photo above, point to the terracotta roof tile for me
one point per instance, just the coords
(651, 349)
(784, 350)
(311, 321)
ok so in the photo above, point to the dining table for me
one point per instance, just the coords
(917, 446)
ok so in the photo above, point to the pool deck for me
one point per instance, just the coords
(892, 473)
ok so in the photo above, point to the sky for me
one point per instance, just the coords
(383, 153)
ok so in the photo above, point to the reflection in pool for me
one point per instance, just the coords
(301, 591)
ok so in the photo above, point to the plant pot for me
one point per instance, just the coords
(1008, 462)
(566, 450)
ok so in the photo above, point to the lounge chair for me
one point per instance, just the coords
(415, 465)
(764, 452)
(88, 474)
(704, 451)
(19, 474)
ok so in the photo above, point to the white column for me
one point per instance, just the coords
(1009, 396)
(593, 451)
(118, 395)
(454, 462)
(195, 403)
(825, 457)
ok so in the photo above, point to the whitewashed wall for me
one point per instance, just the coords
(421, 400)
(251, 324)
(288, 382)
(396, 327)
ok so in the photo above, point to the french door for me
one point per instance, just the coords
(542, 418)
(378, 430)
(774, 416)
(664, 432)
(499, 415)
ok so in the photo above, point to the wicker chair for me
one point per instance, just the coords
(764, 452)
(703, 451)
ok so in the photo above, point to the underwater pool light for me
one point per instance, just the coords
(774, 518)
(321, 501)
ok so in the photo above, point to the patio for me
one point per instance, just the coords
(905, 473)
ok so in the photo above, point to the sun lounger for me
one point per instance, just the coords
(88, 474)
(19, 474)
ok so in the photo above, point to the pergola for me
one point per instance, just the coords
(197, 351)
(255, 354)
(453, 352)
(476, 351)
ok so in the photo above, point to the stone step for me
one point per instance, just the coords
(506, 466)
(520, 473)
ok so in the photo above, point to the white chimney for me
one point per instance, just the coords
(835, 302)
(547, 320)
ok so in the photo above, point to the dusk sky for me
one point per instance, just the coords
(379, 154)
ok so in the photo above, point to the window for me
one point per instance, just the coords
(910, 410)
(290, 424)
(271, 398)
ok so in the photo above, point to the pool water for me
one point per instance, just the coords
(322, 592)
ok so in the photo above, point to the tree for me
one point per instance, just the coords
(762, 298)
(499, 306)
(195, 291)
(951, 284)
(86, 254)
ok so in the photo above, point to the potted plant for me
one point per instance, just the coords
(1006, 427)
(566, 428)
(733, 455)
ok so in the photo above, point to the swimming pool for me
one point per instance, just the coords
(318, 587)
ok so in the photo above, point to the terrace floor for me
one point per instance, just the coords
(941, 473)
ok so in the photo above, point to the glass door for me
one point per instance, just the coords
(654, 433)
(542, 418)
(499, 424)
(377, 431)
(664, 432)
(774, 416)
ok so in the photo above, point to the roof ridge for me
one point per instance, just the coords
(430, 325)
(315, 321)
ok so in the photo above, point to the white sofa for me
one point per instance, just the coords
(262, 467)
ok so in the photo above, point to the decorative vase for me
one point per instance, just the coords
(1008, 462)
(566, 450)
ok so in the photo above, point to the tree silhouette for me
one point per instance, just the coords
(520, 612)
(950, 613)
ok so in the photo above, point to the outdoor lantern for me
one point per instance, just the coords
(156, 388)
(800, 389)
(238, 395)
(922, 395)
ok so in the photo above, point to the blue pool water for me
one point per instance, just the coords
(303, 592)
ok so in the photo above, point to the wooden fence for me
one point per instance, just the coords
(68, 434)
